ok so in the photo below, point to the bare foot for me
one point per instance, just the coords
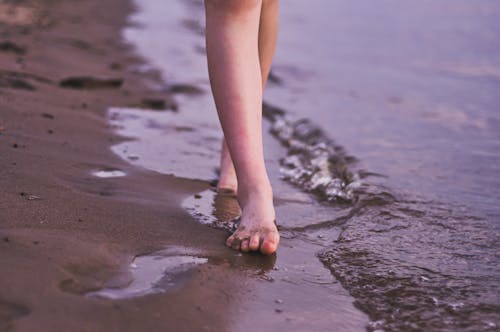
(257, 230)
(227, 179)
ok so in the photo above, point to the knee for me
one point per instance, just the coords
(234, 6)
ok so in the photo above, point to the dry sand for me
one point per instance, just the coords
(64, 232)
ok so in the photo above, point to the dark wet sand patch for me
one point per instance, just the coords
(158, 104)
(9, 312)
(87, 82)
(9, 46)
(187, 89)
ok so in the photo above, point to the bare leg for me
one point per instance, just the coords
(268, 33)
(232, 36)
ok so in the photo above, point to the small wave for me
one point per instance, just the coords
(416, 266)
(313, 162)
(411, 265)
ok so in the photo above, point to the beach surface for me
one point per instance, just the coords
(381, 137)
(92, 242)
(381, 142)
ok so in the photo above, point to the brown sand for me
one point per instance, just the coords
(64, 232)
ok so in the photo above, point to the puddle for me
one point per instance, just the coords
(186, 146)
(215, 209)
(201, 206)
(108, 173)
(158, 272)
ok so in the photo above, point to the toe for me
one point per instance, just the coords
(270, 244)
(245, 245)
(236, 244)
(229, 241)
(254, 242)
(268, 247)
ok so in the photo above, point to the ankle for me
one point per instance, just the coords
(261, 191)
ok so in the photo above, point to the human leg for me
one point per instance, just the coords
(232, 34)
(268, 33)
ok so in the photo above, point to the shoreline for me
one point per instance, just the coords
(65, 232)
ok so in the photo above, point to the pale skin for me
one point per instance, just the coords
(241, 38)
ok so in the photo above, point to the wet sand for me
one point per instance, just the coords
(374, 119)
(65, 233)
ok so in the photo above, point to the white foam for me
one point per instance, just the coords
(109, 173)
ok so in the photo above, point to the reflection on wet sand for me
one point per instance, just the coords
(154, 273)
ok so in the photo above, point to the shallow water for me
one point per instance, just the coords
(386, 116)
(154, 273)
